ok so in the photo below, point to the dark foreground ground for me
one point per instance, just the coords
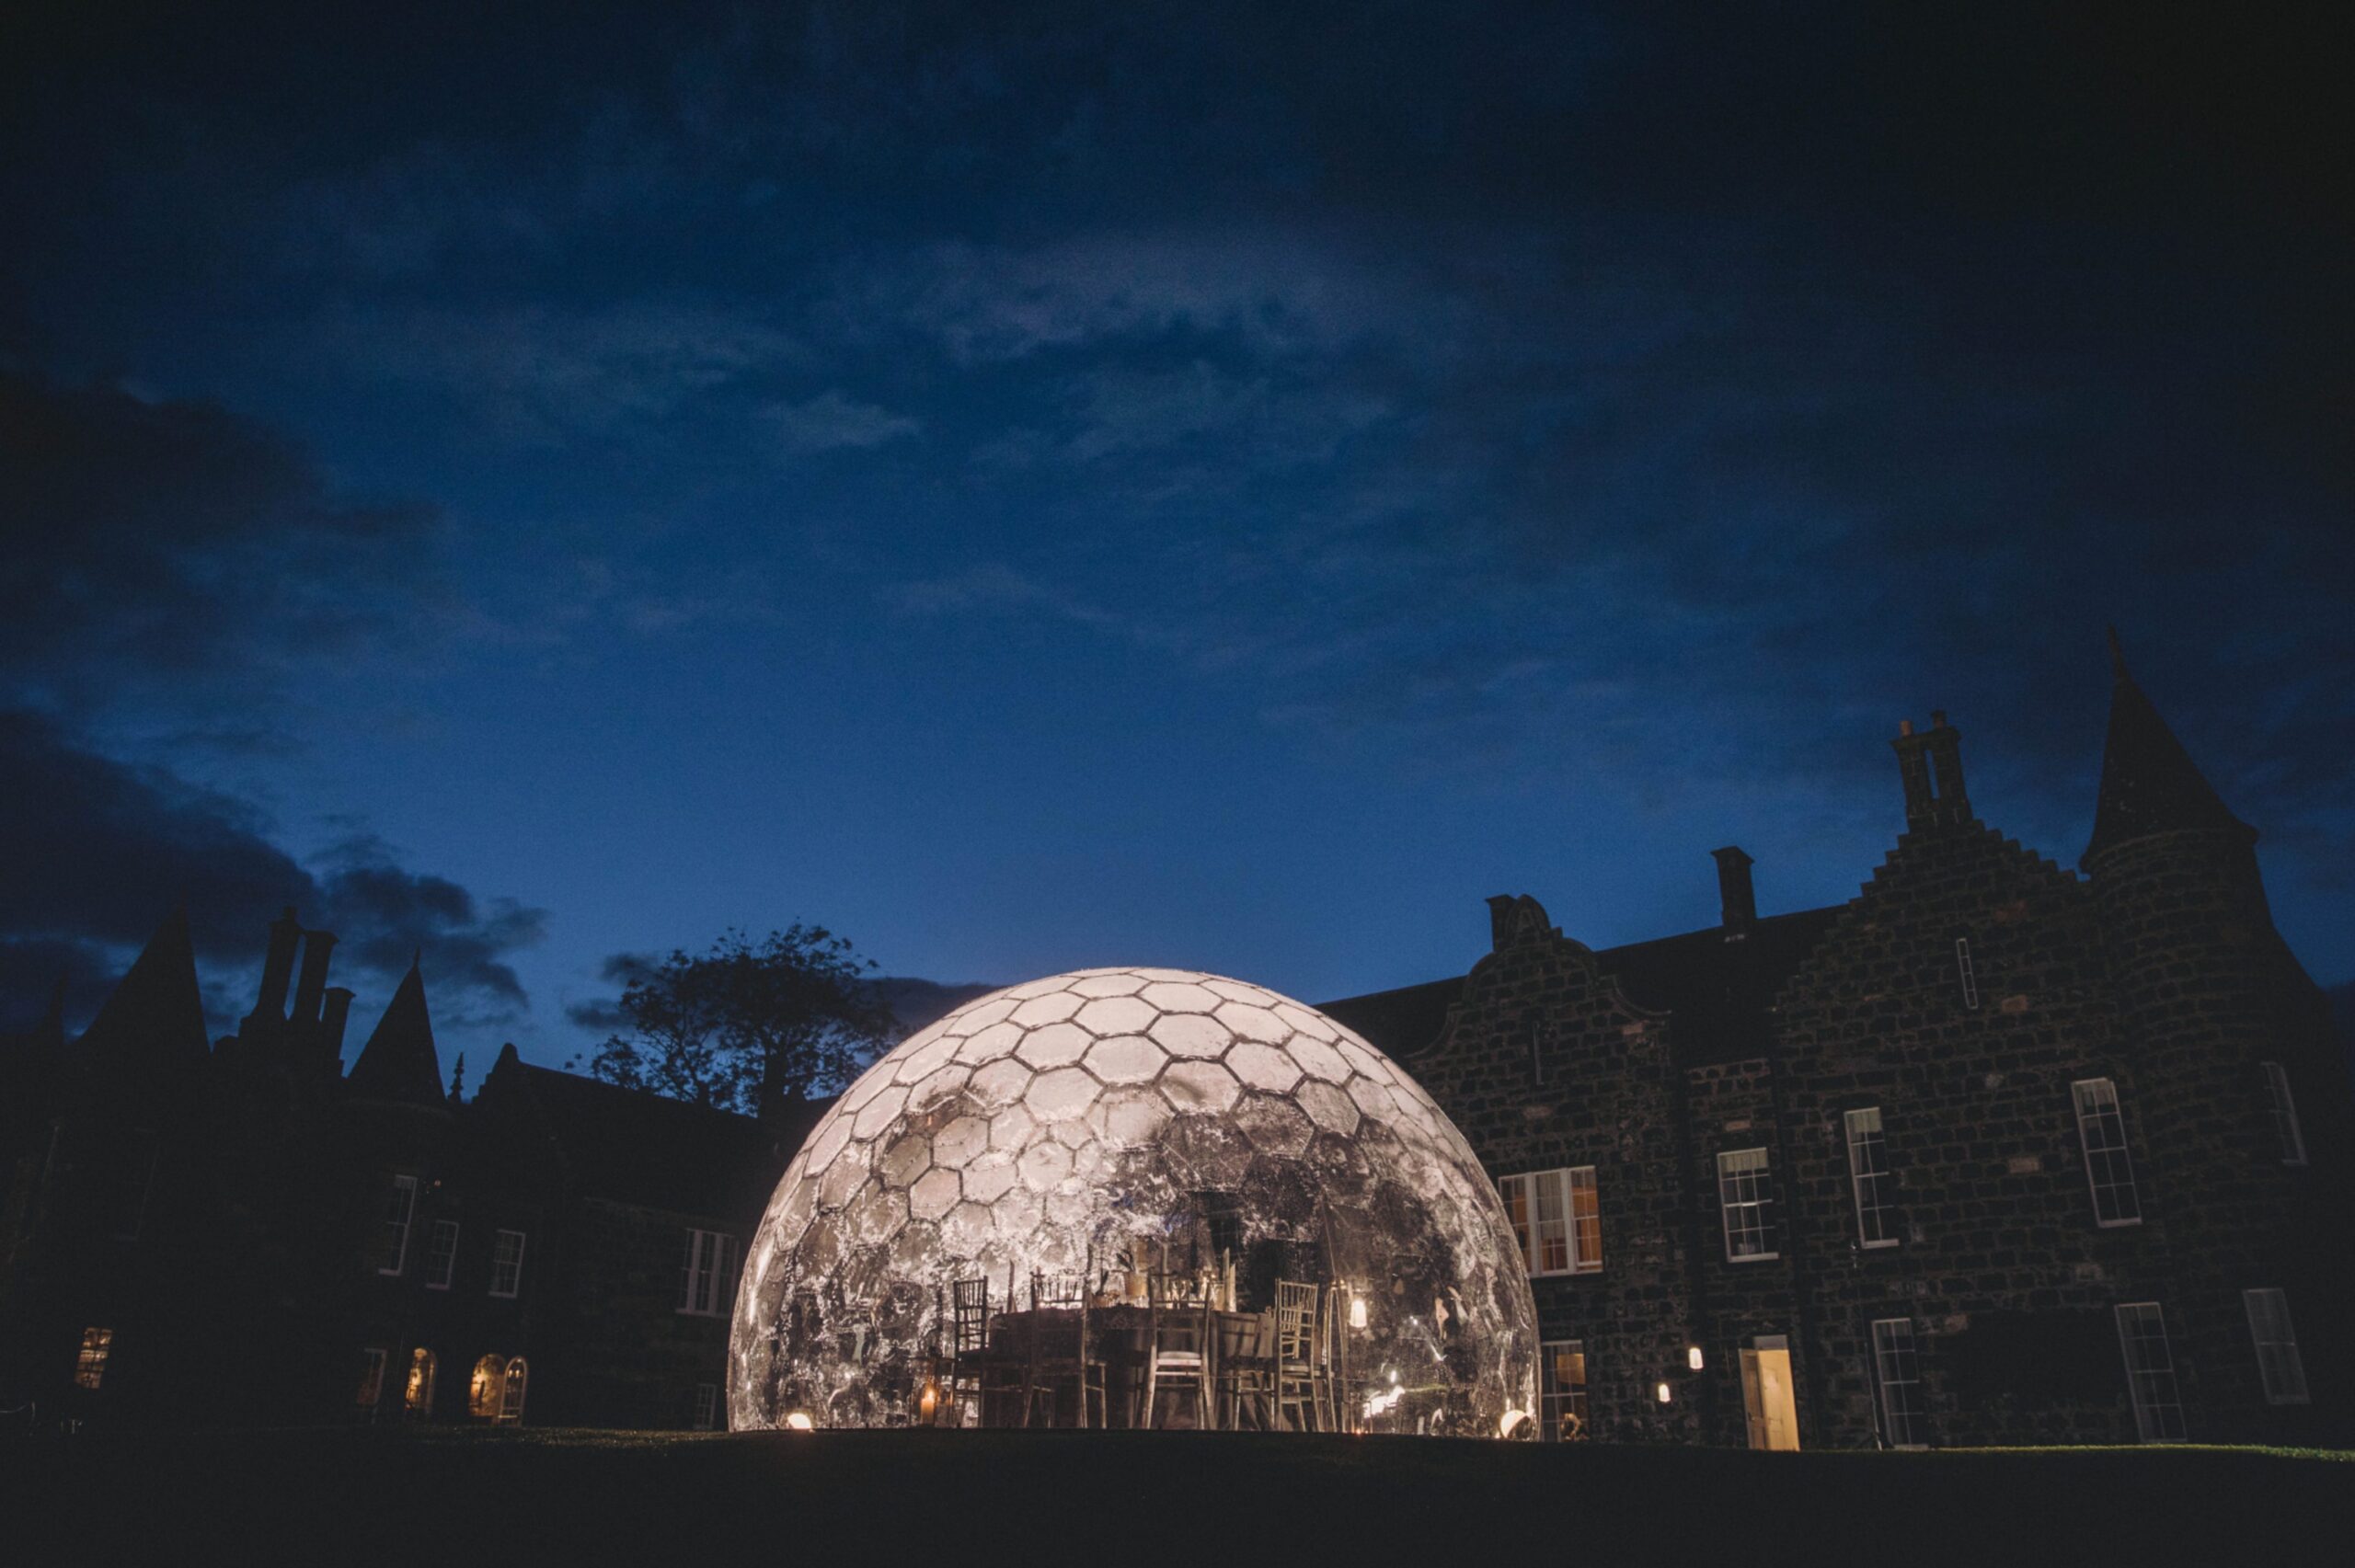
(1052, 1498)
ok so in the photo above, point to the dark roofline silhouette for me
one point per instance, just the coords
(2148, 782)
(399, 1061)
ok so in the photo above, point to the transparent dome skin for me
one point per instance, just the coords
(1054, 1124)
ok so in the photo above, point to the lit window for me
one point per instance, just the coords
(1746, 1197)
(417, 1397)
(507, 1264)
(90, 1366)
(1963, 967)
(2285, 1115)
(703, 1410)
(706, 1276)
(2110, 1170)
(2150, 1372)
(400, 1204)
(1561, 1393)
(1557, 1218)
(511, 1396)
(485, 1387)
(2277, 1346)
(372, 1377)
(441, 1255)
(1870, 1180)
(1897, 1366)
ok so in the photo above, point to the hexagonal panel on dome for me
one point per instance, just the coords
(1121, 1119)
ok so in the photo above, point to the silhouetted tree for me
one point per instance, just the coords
(749, 1024)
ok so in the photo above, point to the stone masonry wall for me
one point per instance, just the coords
(1543, 1064)
(1996, 1218)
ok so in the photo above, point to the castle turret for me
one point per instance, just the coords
(2217, 1017)
(399, 1062)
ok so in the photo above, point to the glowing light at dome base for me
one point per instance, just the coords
(1087, 1124)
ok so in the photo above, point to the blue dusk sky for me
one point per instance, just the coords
(1029, 487)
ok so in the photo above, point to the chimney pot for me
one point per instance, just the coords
(1737, 898)
(316, 945)
(278, 965)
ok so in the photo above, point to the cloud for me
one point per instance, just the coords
(156, 540)
(98, 851)
(831, 420)
(1279, 294)
(540, 374)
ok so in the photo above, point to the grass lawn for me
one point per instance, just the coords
(1055, 1497)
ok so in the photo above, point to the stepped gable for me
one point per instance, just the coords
(399, 1062)
(633, 1146)
(2148, 782)
(152, 1026)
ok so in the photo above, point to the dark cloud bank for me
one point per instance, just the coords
(172, 552)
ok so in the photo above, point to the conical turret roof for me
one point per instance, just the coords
(399, 1062)
(2148, 782)
(153, 1021)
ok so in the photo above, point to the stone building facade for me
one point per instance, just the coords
(1995, 1152)
(245, 1234)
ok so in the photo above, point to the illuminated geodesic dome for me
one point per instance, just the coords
(1084, 1119)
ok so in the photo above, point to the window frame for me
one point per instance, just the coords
(703, 1408)
(1882, 1210)
(513, 1384)
(2283, 1372)
(706, 1289)
(2146, 1327)
(1903, 1416)
(1759, 1205)
(441, 1264)
(1576, 1223)
(405, 1186)
(2114, 1111)
(506, 1267)
(2285, 1113)
(1553, 1399)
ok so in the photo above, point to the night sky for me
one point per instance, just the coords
(1226, 487)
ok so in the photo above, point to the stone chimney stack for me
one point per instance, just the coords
(278, 967)
(331, 1022)
(1930, 764)
(1736, 898)
(316, 945)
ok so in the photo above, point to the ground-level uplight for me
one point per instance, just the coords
(799, 1421)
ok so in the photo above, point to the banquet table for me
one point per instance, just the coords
(1122, 1341)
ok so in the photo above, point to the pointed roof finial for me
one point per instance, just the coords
(153, 1020)
(399, 1062)
(2148, 782)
